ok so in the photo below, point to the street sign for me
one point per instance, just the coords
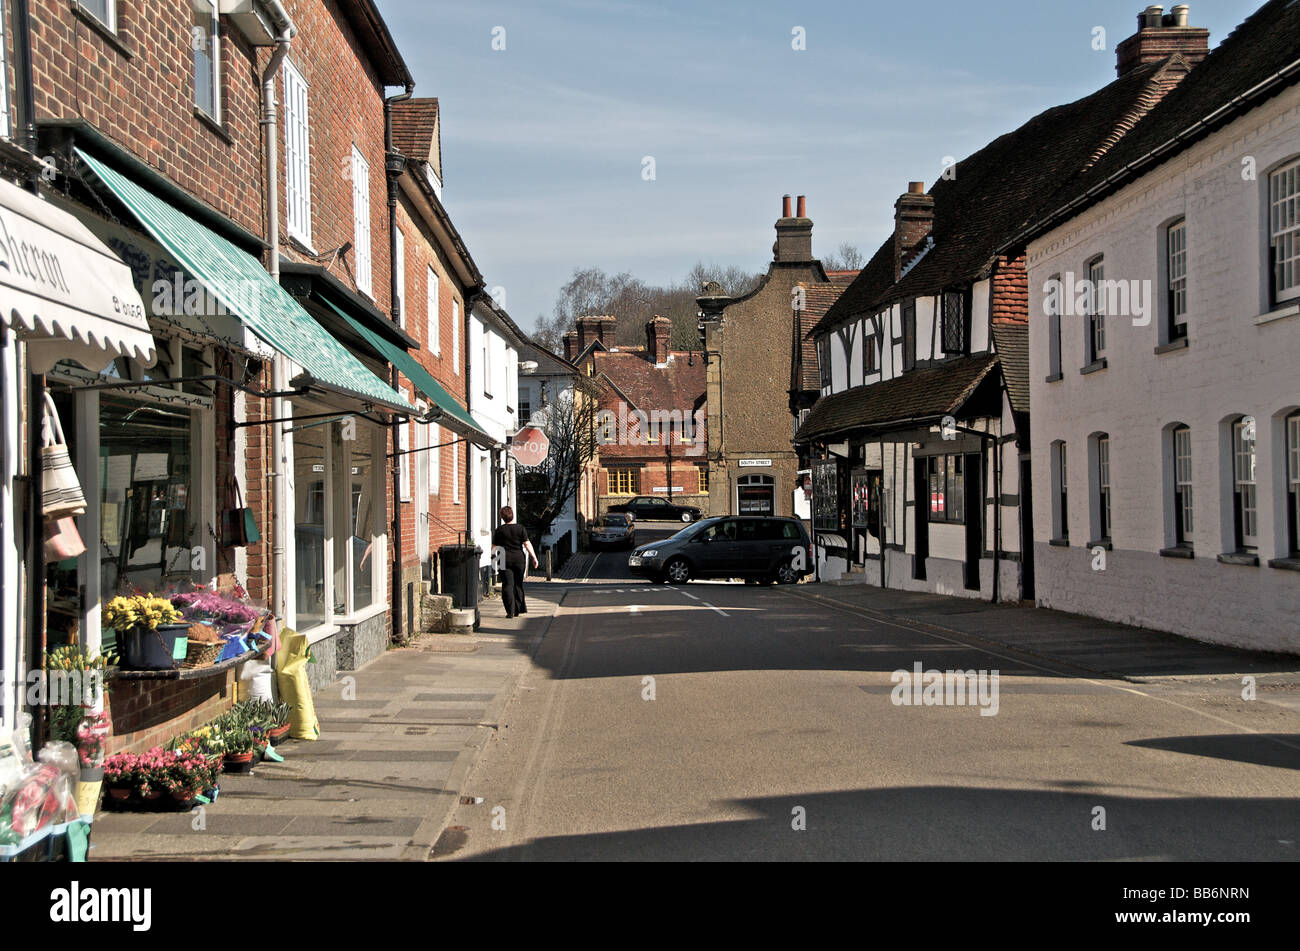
(754, 463)
(529, 446)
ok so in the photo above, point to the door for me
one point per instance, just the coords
(716, 551)
(756, 495)
(921, 516)
(973, 502)
(1026, 533)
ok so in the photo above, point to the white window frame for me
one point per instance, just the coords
(1176, 289)
(1284, 232)
(1292, 423)
(361, 221)
(1104, 510)
(434, 313)
(1054, 362)
(400, 265)
(435, 459)
(487, 363)
(1096, 323)
(297, 155)
(455, 336)
(1245, 489)
(455, 472)
(110, 13)
(214, 47)
(1184, 522)
(404, 455)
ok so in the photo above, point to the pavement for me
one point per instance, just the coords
(398, 737)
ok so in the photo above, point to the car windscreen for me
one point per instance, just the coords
(614, 521)
(690, 531)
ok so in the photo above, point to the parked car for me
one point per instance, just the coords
(657, 509)
(613, 531)
(757, 548)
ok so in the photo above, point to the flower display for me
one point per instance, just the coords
(205, 605)
(125, 612)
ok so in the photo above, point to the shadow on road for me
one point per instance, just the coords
(1262, 749)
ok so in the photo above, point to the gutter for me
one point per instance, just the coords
(280, 514)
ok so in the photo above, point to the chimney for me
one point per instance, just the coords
(657, 333)
(570, 345)
(793, 235)
(913, 220)
(1159, 36)
(593, 328)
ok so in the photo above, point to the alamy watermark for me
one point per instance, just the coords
(637, 427)
(57, 688)
(1069, 296)
(945, 688)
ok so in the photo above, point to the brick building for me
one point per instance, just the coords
(750, 347)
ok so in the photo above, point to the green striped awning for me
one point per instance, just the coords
(241, 285)
(454, 416)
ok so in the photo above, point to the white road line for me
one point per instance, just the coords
(632, 609)
(691, 596)
(712, 608)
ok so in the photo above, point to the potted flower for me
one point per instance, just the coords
(187, 775)
(240, 746)
(281, 713)
(119, 775)
(148, 627)
(151, 774)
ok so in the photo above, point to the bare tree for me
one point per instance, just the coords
(847, 257)
(569, 422)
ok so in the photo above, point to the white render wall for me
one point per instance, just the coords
(1238, 362)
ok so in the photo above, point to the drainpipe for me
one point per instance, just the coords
(26, 101)
(285, 32)
(394, 166)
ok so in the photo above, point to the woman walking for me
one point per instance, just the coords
(513, 538)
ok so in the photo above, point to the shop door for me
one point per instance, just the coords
(974, 505)
(921, 517)
(756, 495)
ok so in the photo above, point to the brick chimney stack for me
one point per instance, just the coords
(793, 235)
(570, 345)
(913, 220)
(593, 328)
(657, 334)
(1159, 36)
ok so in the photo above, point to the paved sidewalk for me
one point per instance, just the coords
(397, 742)
(1084, 643)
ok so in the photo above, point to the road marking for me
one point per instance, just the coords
(691, 596)
(711, 607)
(632, 609)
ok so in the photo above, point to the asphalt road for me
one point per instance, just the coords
(733, 722)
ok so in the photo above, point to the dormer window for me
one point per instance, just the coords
(955, 324)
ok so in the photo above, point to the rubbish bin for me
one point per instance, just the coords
(460, 577)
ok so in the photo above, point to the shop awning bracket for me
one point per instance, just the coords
(209, 378)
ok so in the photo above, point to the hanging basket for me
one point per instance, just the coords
(201, 654)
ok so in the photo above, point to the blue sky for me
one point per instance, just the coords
(543, 142)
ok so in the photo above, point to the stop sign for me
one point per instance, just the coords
(529, 446)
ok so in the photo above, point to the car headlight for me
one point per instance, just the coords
(650, 553)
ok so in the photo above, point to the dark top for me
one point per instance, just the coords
(511, 537)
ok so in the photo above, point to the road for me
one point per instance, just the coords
(732, 722)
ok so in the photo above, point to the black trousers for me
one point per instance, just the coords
(512, 587)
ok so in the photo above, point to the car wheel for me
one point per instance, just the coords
(786, 573)
(678, 571)
(686, 516)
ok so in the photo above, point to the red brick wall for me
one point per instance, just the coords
(1011, 290)
(149, 713)
(143, 98)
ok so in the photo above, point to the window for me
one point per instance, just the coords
(404, 457)
(1060, 493)
(870, 356)
(361, 219)
(909, 335)
(702, 474)
(435, 323)
(1182, 486)
(311, 526)
(1293, 482)
(1177, 277)
(1053, 302)
(105, 11)
(1284, 231)
(1096, 342)
(487, 363)
(525, 409)
(400, 265)
(455, 472)
(455, 336)
(207, 58)
(824, 361)
(623, 480)
(4, 79)
(1245, 507)
(1103, 488)
(947, 489)
(297, 156)
(954, 322)
(435, 459)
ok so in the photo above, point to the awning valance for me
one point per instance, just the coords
(453, 416)
(243, 287)
(63, 291)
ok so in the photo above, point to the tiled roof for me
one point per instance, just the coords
(629, 375)
(1012, 343)
(994, 193)
(818, 299)
(920, 394)
(414, 124)
(1264, 45)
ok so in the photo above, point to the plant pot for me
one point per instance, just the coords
(91, 774)
(279, 734)
(151, 795)
(237, 763)
(88, 796)
(120, 793)
(143, 649)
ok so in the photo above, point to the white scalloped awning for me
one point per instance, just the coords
(63, 291)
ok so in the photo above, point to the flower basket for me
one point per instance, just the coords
(200, 654)
(237, 763)
(143, 649)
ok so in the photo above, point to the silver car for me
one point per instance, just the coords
(614, 531)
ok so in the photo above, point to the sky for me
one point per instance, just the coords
(546, 142)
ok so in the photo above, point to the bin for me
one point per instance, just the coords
(458, 566)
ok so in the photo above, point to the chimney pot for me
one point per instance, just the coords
(803, 208)
(1180, 13)
(785, 206)
(916, 188)
(793, 236)
(913, 221)
(1159, 36)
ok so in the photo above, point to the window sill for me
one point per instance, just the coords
(1055, 378)
(99, 26)
(1244, 558)
(1100, 543)
(1178, 551)
(1286, 564)
(1281, 312)
(213, 126)
(302, 245)
(1173, 346)
(1059, 543)
(1094, 366)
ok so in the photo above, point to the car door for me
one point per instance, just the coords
(716, 550)
(658, 509)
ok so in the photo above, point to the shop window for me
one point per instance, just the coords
(310, 468)
(947, 489)
(206, 37)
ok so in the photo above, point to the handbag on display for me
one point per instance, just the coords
(62, 540)
(60, 490)
(238, 524)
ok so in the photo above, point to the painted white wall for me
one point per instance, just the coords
(1237, 362)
